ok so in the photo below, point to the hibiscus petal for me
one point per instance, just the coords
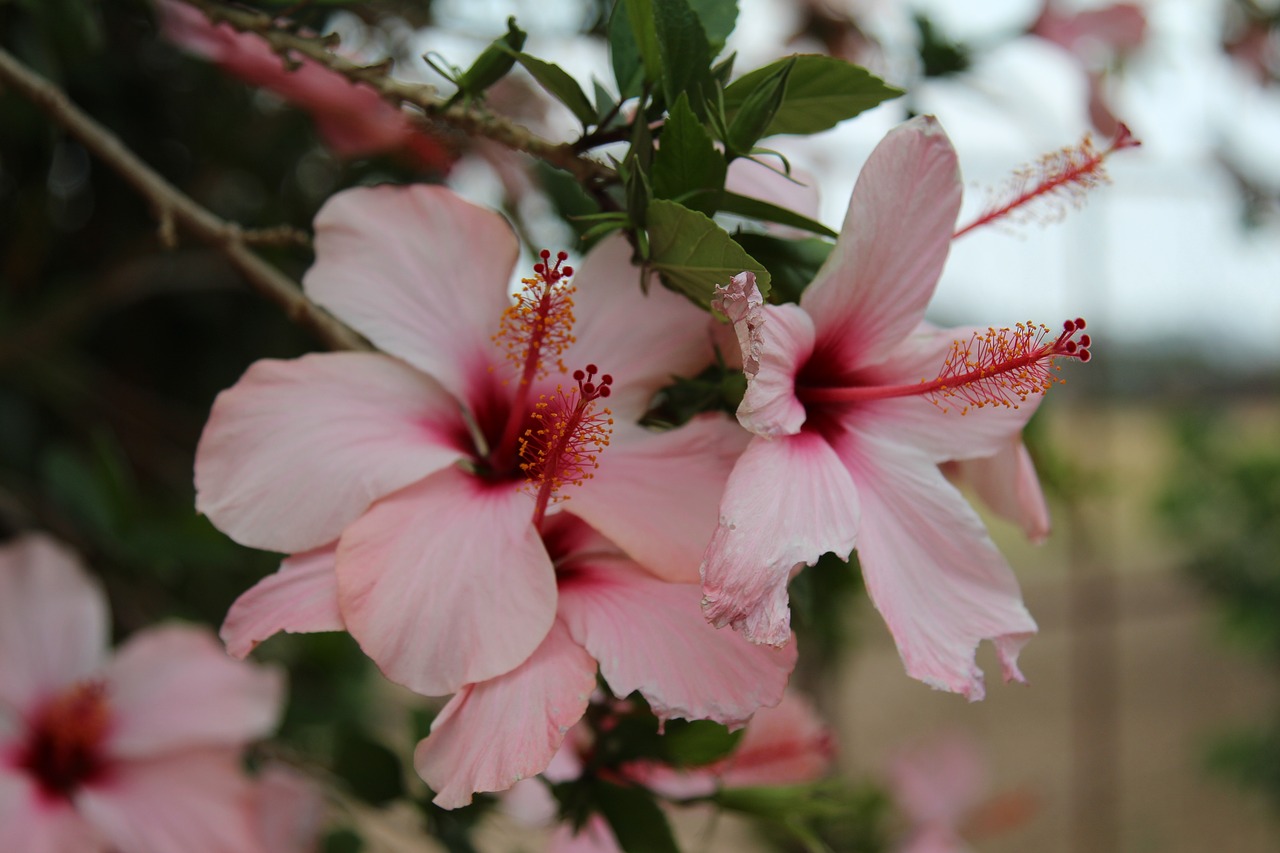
(787, 744)
(873, 289)
(447, 583)
(420, 272)
(932, 570)
(595, 836)
(673, 340)
(770, 406)
(296, 450)
(1007, 483)
(32, 822)
(789, 501)
(190, 800)
(495, 733)
(53, 621)
(655, 493)
(300, 598)
(173, 687)
(650, 635)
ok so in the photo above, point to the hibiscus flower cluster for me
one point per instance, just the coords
(462, 502)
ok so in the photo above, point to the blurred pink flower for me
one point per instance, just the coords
(849, 438)
(290, 808)
(353, 119)
(787, 744)
(1097, 38)
(936, 784)
(139, 752)
(940, 785)
(408, 467)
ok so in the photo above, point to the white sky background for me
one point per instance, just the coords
(1160, 254)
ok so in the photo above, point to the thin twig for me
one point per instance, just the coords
(400, 93)
(173, 208)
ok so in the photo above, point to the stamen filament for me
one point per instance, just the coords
(539, 324)
(1000, 367)
(565, 448)
(1066, 175)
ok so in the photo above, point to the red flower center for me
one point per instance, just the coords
(64, 746)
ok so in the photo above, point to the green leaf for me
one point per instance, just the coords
(718, 19)
(492, 64)
(684, 51)
(793, 263)
(756, 113)
(560, 85)
(624, 53)
(693, 254)
(636, 821)
(605, 103)
(755, 208)
(644, 31)
(822, 91)
(342, 841)
(698, 742)
(687, 160)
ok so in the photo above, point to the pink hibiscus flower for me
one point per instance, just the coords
(787, 744)
(646, 634)
(353, 120)
(430, 469)
(849, 438)
(139, 752)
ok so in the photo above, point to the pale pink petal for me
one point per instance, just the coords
(650, 636)
(641, 340)
(931, 569)
(194, 801)
(788, 502)
(53, 621)
(447, 583)
(290, 810)
(530, 802)
(420, 272)
(301, 598)
(656, 494)
(770, 407)
(873, 289)
(787, 744)
(31, 822)
(1007, 483)
(669, 782)
(296, 450)
(495, 733)
(595, 836)
(174, 687)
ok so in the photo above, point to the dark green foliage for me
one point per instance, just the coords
(821, 92)
(940, 56)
